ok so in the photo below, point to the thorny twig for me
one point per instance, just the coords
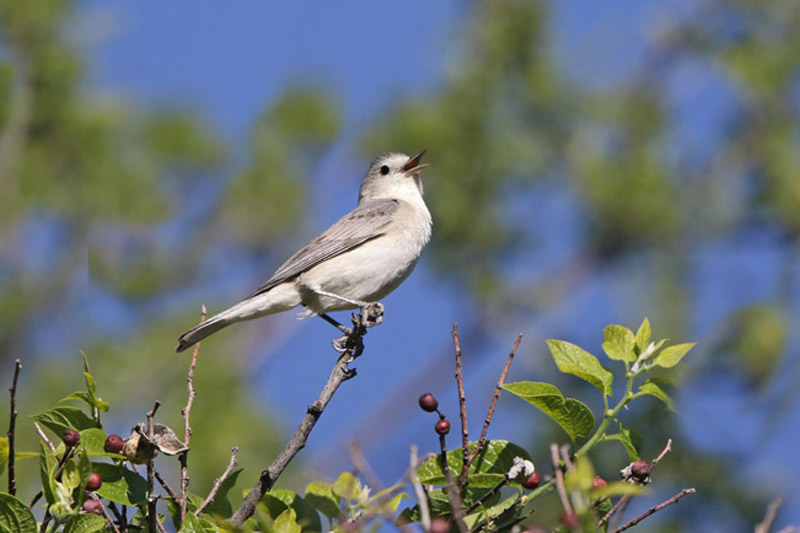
(187, 429)
(655, 509)
(419, 491)
(339, 375)
(219, 481)
(12, 479)
(462, 405)
(490, 413)
(152, 499)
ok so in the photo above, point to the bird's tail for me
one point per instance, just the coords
(280, 298)
(202, 330)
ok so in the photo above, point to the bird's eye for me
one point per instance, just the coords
(384, 170)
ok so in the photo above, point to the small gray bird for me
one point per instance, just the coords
(356, 262)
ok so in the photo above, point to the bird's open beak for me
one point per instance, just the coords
(413, 166)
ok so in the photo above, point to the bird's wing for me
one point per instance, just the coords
(366, 222)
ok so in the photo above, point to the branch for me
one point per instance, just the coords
(769, 518)
(219, 481)
(270, 475)
(655, 509)
(462, 404)
(41, 434)
(152, 517)
(187, 429)
(12, 479)
(497, 390)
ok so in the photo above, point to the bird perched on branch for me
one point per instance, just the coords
(355, 263)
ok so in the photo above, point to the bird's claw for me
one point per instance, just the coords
(372, 314)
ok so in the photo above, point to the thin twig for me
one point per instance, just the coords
(105, 512)
(122, 519)
(661, 455)
(43, 436)
(269, 475)
(617, 506)
(560, 488)
(12, 479)
(655, 509)
(462, 405)
(187, 429)
(486, 496)
(219, 481)
(453, 495)
(422, 497)
(491, 518)
(769, 518)
(165, 485)
(361, 464)
(152, 500)
(490, 413)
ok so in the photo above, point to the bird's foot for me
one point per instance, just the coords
(372, 314)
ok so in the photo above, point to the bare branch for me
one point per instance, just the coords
(661, 455)
(12, 479)
(152, 517)
(462, 405)
(339, 374)
(219, 481)
(655, 509)
(769, 518)
(187, 429)
(490, 413)
(165, 486)
(43, 436)
(110, 520)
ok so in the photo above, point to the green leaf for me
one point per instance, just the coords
(194, 524)
(91, 387)
(286, 522)
(619, 343)
(672, 355)
(277, 501)
(652, 388)
(349, 488)
(15, 515)
(85, 523)
(80, 395)
(572, 359)
(580, 478)
(488, 468)
(47, 471)
(71, 476)
(627, 438)
(643, 335)
(121, 485)
(384, 503)
(3, 453)
(619, 488)
(93, 440)
(320, 495)
(572, 415)
(60, 418)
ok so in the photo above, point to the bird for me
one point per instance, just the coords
(355, 263)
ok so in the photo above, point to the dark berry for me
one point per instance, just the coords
(94, 482)
(114, 444)
(93, 506)
(428, 402)
(598, 483)
(439, 525)
(532, 482)
(640, 470)
(443, 427)
(71, 438)
(570, 520)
